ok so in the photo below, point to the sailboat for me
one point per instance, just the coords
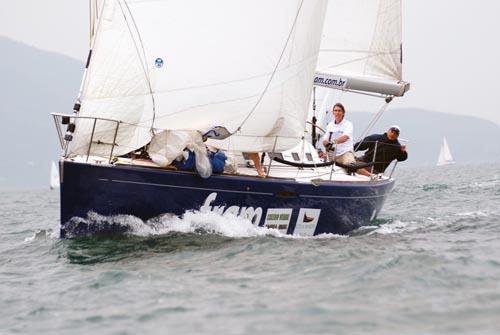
(54, 176)
(445, 156)
(163, 76)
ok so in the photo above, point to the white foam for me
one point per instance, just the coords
(191, 222)
(210, 222)
(395, 227)
(324, 236)
(40, 234)
(196, 222)
(207, 222)
(473, 214)
(485, 184)
(226, 225)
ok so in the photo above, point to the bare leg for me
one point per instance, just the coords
(364, 172)
(256, 161)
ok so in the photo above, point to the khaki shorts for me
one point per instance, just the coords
(346, 158)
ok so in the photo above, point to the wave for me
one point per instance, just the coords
(475, 214)
(471, 220)
(196, 222)
(434, 187)
(43, 234)
(484, 184)
(396, 227)
(228, 225)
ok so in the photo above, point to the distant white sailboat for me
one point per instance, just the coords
(54, 176)
(445, 156)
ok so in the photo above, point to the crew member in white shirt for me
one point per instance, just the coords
(338, 137)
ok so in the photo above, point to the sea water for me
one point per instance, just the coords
(429, 265)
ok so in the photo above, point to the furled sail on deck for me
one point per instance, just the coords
(361, 47)
(193, 64)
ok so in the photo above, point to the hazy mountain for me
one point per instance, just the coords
(471, 139)
(36, 83)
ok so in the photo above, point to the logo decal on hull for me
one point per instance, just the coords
(249, 213)
(278, 218)
(307, 221)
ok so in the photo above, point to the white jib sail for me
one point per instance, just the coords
(232, 63)
(95, 9)
(361, 47)
(445, 156)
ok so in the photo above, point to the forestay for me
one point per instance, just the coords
(246, 65)
(361, 47)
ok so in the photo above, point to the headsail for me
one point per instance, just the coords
(361, 47)
(116, 87)
(188, 65)
(95, 8)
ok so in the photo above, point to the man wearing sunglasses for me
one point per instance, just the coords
(385, 147)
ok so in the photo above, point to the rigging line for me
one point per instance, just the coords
(91, 23)
(376, 95)
(148, 79)
(138, 125)
(94, 26)
(94, 19)
(162, 116)
(356, 60)
(275, 68)
(388, 52)
(139, 1)
(204, 86)
(220, 83)
(372, 123)
(203, 105)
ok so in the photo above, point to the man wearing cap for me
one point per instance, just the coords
(386, 148)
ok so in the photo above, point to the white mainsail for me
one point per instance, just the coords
(54, 176)
(192, 64)
(361, 47)
(445, 156)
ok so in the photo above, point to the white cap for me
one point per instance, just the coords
(396, 127)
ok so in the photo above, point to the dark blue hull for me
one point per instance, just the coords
(297, 208)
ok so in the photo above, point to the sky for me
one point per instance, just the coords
(450, 48)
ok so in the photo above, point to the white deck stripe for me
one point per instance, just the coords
(187, 187)
(245, 192)
(334, 197)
